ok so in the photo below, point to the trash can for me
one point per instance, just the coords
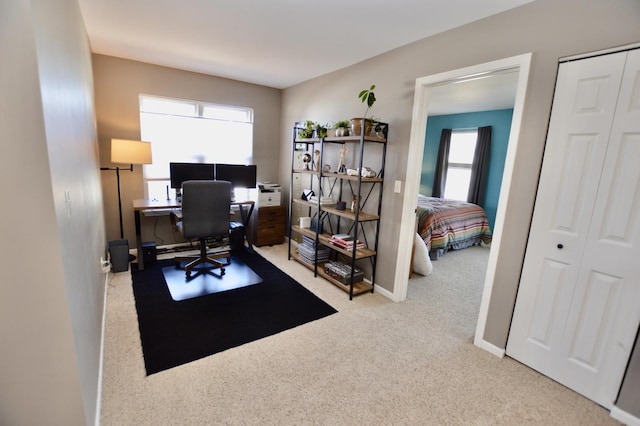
(236, 236)
(119, 252)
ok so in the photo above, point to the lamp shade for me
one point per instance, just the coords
(130, 152)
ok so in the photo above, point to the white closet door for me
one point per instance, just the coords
(577, 309)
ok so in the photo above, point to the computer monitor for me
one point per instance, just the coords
(239, 175)
(181, 172)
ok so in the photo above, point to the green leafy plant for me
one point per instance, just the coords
(342, 123)
(321, 130)
(306, 131)
(369, 97)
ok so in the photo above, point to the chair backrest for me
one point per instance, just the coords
(205, 208)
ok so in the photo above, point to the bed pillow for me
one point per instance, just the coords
(421, 262)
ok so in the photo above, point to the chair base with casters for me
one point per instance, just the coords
(203, 258)
(205, 215)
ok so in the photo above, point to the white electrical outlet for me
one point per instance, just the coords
(398, 186)
(105, 265)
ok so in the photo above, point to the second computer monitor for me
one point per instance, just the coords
(240, 176)
(180, 172)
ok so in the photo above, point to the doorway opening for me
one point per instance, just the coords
(424, 96)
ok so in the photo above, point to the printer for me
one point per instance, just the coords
(269, 194)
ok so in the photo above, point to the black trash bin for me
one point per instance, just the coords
(236, 236)
(119, 251)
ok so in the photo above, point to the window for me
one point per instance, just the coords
(192, 132)
(461, 151)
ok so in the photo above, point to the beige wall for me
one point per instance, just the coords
(53, 288)
(119, 82)
(629, 398)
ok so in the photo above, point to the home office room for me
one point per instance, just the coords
(292, 342)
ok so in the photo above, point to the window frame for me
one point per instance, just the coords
(153, 105)
(455, 134)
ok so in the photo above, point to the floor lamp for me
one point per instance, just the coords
(130, 152)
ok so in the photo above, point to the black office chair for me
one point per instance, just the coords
(205, 215)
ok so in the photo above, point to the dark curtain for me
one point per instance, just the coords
(480, 167)
(442, 163)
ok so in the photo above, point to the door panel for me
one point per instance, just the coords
(574, 186)
(577, 312)
(620, 225)
(545, 309)
(612, 250)
(597, 305)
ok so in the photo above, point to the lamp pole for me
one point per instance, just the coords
(117, 169)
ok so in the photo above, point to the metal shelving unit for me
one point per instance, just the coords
(330, 220)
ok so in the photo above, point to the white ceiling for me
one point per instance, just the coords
(483, 93)
(276, 43)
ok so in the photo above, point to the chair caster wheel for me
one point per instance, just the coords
(188, 274)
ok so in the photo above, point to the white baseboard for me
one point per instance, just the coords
(624, 417)
(490, 347)
(383, 291)
(101, 364)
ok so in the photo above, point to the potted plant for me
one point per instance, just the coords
(321, 130)
(305, 129)
(342, 127)
(367, 96)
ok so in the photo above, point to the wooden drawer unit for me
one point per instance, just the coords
(268, 225)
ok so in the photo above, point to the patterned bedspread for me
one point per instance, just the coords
(448, 224)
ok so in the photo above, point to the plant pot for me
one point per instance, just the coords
(356, 126)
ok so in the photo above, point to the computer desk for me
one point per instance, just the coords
(245, 207)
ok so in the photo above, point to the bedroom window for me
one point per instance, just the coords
(191, 132)
(461, 151)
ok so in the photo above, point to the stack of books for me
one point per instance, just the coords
(323, 200)
(345, 241)
(307, 251)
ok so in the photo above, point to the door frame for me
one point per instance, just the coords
(414, 166)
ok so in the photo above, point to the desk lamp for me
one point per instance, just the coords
(130, 152)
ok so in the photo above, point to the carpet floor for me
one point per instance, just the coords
(374, 362)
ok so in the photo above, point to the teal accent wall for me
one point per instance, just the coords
(499, 120)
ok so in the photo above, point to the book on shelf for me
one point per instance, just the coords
(323, 200)
(345, 241)
(308, 241)
(308, 250)
(345, 237)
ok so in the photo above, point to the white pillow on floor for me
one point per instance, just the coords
(421, 262)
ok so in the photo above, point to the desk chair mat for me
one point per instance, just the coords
(237, 275)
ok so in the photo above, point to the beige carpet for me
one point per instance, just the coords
(375, 362)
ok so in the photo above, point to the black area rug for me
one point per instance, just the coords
(174, 333)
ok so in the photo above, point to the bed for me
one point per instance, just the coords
(451, 225)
